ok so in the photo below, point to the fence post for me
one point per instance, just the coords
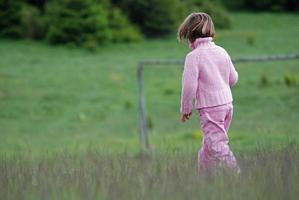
(143, 132)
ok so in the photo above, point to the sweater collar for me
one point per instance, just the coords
(201, 41)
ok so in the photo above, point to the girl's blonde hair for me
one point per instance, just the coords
(196, 25)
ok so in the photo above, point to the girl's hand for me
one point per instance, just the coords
(185, 117)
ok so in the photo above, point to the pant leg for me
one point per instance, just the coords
(228, 118)
(215, 150)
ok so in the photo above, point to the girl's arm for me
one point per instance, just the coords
(189, 83)
(233, 76)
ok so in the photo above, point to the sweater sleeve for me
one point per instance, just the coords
(189, 83)
(233, 76)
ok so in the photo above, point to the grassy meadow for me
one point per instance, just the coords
(265, 175)
(69, 119)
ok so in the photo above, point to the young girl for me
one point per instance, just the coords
(207, 78)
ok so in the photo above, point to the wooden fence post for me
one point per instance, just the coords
(143, 133)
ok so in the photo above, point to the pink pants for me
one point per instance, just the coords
(215, 151)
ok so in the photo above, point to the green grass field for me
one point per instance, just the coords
(69, 120)
(55, 98)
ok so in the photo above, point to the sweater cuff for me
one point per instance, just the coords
(186, 109)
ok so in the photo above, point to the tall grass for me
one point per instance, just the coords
(271, 174)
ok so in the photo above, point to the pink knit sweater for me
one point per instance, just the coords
(207, 77)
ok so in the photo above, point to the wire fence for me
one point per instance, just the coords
(143, 127)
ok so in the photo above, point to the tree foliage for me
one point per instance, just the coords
(10, 18)
(93, 22)
(263, 5)
(33, 23)
(154, 17)
(77, 21)
(217, 11)
(121, 28)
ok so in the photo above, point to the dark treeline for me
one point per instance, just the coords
(91, 23)
(263, 5)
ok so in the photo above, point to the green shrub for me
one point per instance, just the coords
(121, 28)
(77, 21)
(34, 24)
(251, 39)
(155, 17)
(216, 10)
(290, 79)
(128, 104)
(264, 81)
(10, 18)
